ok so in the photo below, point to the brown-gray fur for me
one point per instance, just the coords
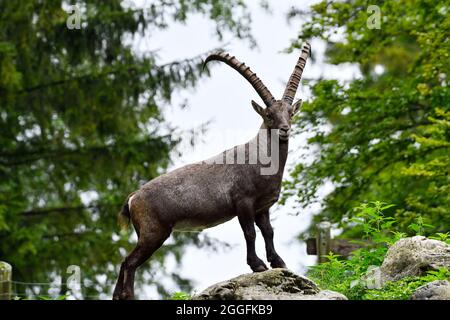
(207, 193)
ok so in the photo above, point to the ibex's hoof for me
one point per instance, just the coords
(278, 263)
(123, 296)
(260, 268)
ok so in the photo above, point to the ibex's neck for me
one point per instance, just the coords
(278, 152)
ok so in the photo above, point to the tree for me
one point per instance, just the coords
(384, 136)
(81, 127)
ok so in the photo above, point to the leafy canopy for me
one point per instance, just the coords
(386, 134)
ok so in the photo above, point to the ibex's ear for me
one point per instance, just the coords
(296, 106)
(258, 109)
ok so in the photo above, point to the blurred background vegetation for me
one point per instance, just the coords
(81, 124)
(81, 127)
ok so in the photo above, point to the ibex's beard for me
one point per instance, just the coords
(283, 136)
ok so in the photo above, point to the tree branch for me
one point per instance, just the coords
(109, 72)
(45, 211)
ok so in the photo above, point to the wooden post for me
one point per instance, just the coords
(5, 280)
(323, 240)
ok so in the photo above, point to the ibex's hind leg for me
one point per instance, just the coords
(246, 216)
(263, 222)
(119, 285)
(147, 244)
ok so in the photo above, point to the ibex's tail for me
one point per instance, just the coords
(124, 214)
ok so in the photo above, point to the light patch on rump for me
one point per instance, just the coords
(129, 202)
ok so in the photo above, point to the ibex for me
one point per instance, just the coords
(208, 193)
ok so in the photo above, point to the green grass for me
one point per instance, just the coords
(180, 296)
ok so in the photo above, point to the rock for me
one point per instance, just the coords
(373, 279)
(326, 295)
(413, 257)
(436, 290)
(274, 284)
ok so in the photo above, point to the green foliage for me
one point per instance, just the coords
(444, 237)
(60, 298)
(63, 297)
(338, 275)
(344, 275)
(350, 276)
(180, 296)
(374, 224)
(81, 128)
(419, 227)
(384, 135)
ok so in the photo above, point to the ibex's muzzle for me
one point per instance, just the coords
(283, 133)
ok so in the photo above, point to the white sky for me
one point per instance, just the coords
(224, 99)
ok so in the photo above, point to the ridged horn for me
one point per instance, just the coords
(296, 76)
(245, 71)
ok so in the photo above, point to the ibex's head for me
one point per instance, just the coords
(278, 113)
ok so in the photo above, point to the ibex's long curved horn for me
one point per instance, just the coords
(294, 80)
(245, 71)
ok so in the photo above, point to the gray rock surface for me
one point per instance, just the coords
(436, 290)
(414, 256)
(274, 284)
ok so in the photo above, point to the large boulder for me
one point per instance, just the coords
(274, 284)
(435, 290)
(413, 257)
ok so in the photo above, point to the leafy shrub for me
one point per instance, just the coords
(180, 296)
(347, 275)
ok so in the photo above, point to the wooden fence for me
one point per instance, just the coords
(5, 281)
(323, 244)
(8, 288)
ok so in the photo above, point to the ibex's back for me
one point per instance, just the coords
(208, 193)
(191, 198)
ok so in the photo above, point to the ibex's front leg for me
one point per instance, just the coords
(246, 216)
(263, 223)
